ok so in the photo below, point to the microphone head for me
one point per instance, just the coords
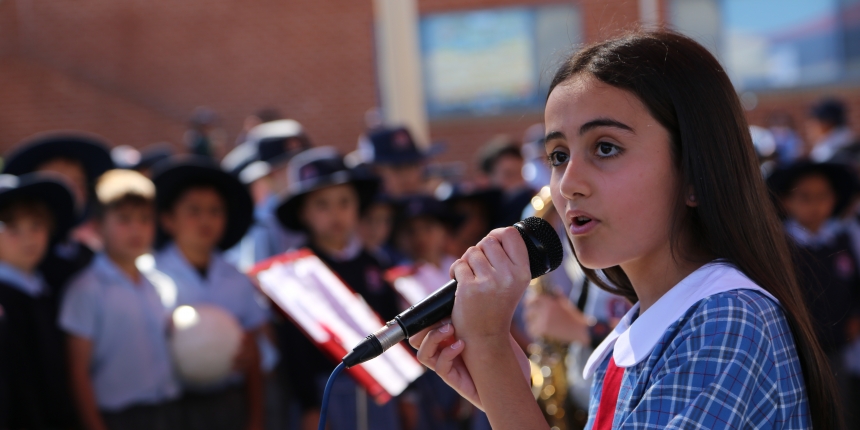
(542, 243)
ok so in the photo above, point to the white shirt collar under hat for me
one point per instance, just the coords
(633, 341)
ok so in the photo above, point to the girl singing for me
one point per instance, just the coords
(655, 177)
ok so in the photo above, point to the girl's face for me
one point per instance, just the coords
(811, 202)
(427, 239)
(198, 219)
(331, 213)
(613, 178)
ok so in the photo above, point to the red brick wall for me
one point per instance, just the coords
(312, 59)
(134, 70)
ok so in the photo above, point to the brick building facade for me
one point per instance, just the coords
(133, 71)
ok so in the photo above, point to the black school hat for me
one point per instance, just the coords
(41, 186)
(418, 206)
(490, 198)
(841, 177)
(391, 146)
(175, 175)
(315, 169)
(272, 143)
(89, 149)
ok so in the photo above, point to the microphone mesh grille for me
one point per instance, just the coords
(542, 243)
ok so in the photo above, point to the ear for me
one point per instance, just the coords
(691, 200)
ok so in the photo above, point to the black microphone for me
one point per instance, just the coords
(545, 255)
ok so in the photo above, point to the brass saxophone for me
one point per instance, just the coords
(547, 357)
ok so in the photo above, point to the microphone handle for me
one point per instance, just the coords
(427, 312)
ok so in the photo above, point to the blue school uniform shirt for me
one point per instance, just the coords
(223, 286)
(714, 352)
(127, 324)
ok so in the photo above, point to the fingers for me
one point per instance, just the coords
(460, 270)
(512, 243)
(416, 339)
(445, 360)
(427, 353)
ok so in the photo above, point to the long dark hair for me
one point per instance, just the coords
(686, 89)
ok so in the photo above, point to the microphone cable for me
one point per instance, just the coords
(327, 393)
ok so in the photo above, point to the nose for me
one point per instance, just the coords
(574, 183)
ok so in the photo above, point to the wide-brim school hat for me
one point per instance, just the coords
(841, 177)
(418, 206)
(177, 174)
(489, 197)
(52, 192)
(89, 149)
(391, 146)
(315, 169)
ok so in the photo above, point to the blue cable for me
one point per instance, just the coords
(326, 393)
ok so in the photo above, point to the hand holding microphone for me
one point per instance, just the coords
(496, 272)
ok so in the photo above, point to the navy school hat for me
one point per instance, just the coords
(393, 145)
(315, 169)
(51, 191)
(419, 205)
(490, 198)
(89, 149)
(272, 142)
(177, 174)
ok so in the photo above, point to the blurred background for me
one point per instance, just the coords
(456, 72)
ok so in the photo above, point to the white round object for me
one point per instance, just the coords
(205, 340)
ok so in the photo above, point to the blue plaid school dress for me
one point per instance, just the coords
(715, 352)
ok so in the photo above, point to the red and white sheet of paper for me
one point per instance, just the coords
(415, 283)
(336, 319)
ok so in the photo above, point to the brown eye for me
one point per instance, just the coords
(607, 150)
(557, 158)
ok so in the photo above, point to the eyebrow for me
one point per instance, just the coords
(590, 125)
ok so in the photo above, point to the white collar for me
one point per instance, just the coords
(633, 341)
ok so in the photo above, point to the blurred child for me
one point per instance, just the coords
(260, 163)
(502, 162)
(34, 392)
(79, 159)
(325, 201)
(396, 158)
(375, 228)
(424, 227)
(813, 196)
(831, 138)
(202, 211)
(117, 326)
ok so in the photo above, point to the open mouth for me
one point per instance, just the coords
(581, 221)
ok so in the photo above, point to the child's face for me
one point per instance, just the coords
(613, 178)
(197, 220)
(24, 241)
(401, 180)
(375, 225)
(128, 230)
(507, 173)
(811, 202)
(427, 238)
(331, 214)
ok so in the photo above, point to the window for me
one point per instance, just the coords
(493, 61)
(768, 44)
